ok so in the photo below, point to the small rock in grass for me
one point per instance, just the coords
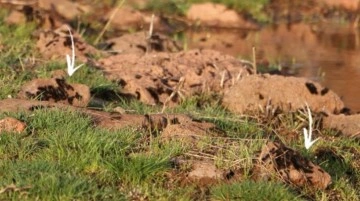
(9, 124)
(205, 169)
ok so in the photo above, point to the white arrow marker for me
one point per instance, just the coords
(71, 61)
(308, 135)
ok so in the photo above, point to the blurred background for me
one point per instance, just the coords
(317, 39)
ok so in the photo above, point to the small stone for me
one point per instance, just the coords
(9, 124)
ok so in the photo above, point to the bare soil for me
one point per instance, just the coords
(156, 71)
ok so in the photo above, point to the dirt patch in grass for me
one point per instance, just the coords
(277, 160)
(264, 92)
(9, 124)
(160, 78)
(347, 124)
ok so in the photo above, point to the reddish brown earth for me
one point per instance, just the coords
(55, 44)
(141, 43)
(9, 124)
(154, 71)
(159, 78)
(217, 15)
(56, 90)
(262, 92)
(348, 124)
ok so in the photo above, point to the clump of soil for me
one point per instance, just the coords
(9, 124)
(56, 90)
(288, 165)
(260, 92)
(157, 78)
(141, 43)
(55, 44)
(348, 124)
(201, 172)
(217, 15)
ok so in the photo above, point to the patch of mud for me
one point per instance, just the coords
(55, 44)
(126, 18)
(158, 78)
(56, 90)
(9, 124)
(348, 125)
(141, 43)
(67, 9)
(217, 15)
(289, 166)
(261, 92)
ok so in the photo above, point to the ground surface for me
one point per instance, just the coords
(147, 119)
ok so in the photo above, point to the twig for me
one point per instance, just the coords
(254, 60)
(108, 22)
(222, 79)
(239, 75)
(151, 28)
(148, 38)
(177, 90)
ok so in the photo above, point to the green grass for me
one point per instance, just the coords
(63, 156)
(15, 56)
(250, 190)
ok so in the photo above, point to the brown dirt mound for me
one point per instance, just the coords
(139, 43)
(56, 90)
(260, 92)
(154, 78)
(349, 125)
(217, 15)
(56, 44)
(9, 124)
(289, 166)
